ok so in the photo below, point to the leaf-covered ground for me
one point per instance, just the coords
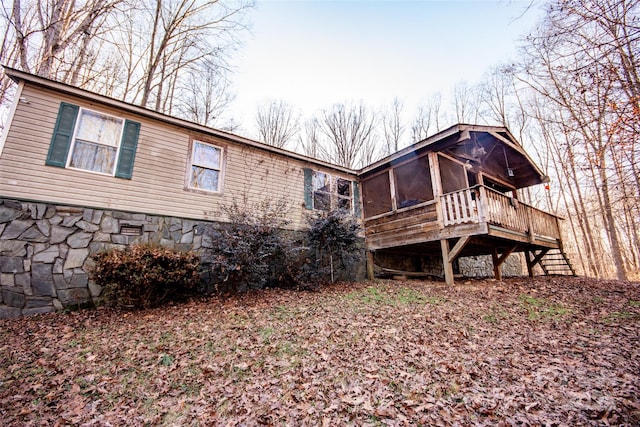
(546, 351)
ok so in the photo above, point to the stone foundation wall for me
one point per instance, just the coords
(473, 266)
(45, 250)
(482, 266)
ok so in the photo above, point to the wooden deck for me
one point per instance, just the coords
(473, 212)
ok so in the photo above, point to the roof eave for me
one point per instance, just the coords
(17, 76)
(494, 131)
(411, 148)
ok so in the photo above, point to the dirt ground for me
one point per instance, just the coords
(543, 351)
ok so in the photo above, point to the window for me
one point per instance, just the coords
(376, 195)
(206, 161)
(96, 142)
(453, 175)
(92, 141)
(413, 182)
(344, 194)
(325, 192)
(321, 191)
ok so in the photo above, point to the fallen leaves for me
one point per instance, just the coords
(547, 351)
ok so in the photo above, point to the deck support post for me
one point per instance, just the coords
(448, 256)
(531, 230)
(497, 273)
(370, 269)
(499, 259)
(536, 259)
(446, 262)
(527, 256)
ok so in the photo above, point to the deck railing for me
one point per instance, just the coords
(481, 204)
(460, 207)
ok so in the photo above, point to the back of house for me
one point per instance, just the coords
(81, 173)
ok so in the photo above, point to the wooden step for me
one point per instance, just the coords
(556, 261)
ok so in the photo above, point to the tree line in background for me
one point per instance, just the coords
(170, 56)
(572, 97)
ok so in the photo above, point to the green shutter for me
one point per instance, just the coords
(128, 147)
(308, 188)
(357, 209)
(62, 135)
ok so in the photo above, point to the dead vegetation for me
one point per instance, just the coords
(547, 351)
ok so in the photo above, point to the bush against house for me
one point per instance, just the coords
(142, 276)
(333, 241)
(254, 250)
(243, 252)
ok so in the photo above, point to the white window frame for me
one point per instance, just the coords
(314, 190)
(333, 194)
(76, 130)
(341, 197)
(192, 163)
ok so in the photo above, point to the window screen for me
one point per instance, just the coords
(376, 195)
(413, 182)
(452, 174)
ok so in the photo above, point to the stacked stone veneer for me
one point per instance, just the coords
(471, 266)
(46, 250)
(482, 266)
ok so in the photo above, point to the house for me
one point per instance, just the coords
(80, 173)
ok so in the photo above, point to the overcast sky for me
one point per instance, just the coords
(316, 53)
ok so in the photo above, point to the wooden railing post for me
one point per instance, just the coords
(439, 212)
(482, 201)
(557, 230)
(530, 225)
(434, 170)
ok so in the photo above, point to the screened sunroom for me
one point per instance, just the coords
(456, 194)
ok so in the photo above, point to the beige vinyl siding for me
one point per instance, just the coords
(158, 185)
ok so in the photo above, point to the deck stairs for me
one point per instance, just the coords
(556, 262)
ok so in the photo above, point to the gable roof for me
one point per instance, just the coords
(439, 141)
(448, 139)
(17, 76)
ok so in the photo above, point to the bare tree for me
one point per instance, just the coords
(465, 103)
(148, 52)
(494, 93)
(203, 96)
(277, 123)
(349, 130)
(427, 119)
(421, 124)
(183, 33)
(583, 64)
(55, 39)
(311, 141)
(392, 127)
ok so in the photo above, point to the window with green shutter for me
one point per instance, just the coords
(93, 141)
(324, 192)
(62, 135)
(308, 188)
